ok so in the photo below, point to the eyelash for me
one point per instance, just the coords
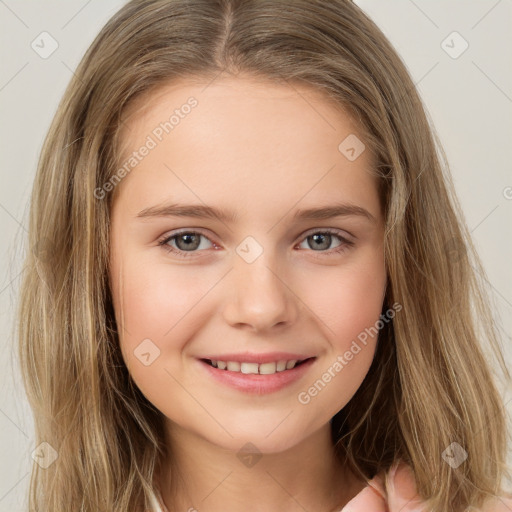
(345, 245)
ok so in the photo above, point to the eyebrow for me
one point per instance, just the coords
(204, 211)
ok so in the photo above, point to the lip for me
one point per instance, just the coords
(257, 384)
(251, 357)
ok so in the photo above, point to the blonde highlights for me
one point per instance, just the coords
(430, 383)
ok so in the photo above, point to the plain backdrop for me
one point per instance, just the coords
(468, 95)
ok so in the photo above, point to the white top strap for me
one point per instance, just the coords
(157, 504)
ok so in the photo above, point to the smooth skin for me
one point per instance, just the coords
(262, 151)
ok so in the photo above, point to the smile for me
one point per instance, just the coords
(256, 378)
(255, 368)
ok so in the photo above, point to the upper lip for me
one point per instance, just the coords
(251, 357)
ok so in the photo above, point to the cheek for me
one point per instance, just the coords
(168, 304)
(349, 298)
(158, 302)
(156, 305)
(348, 304)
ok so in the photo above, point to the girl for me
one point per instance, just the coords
(260, 292)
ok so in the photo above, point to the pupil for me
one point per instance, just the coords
(322, 236)
(190, 241)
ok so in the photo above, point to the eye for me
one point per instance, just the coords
(185, 243)
(321, 240)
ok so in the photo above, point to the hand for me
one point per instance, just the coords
(402, 494)
(396, 492)
(401, 490)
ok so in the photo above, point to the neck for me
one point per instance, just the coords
(207, 477)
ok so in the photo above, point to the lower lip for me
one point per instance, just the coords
(255, 383)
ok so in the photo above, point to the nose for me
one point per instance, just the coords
(259, 296)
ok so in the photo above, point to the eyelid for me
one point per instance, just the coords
(345, 241)
(336, 231)
(172, 234)
(199, 231)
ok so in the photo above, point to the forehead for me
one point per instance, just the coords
(254, 106)
(254, 138)
(243, 87)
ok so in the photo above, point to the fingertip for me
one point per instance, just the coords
(401, 487)
(369, 498)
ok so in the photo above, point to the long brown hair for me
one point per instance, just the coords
(430, 384)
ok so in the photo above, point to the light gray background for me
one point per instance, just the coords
(469, 99)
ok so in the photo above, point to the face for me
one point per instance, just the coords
(265, 282)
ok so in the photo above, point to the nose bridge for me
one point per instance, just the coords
(260, 295)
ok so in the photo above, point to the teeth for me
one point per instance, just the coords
(248, 367)
(255, 368)
(268, 368)
(233, 366)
